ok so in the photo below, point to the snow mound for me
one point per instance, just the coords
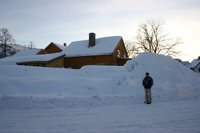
(171, 78)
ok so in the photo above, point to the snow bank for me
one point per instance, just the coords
(172, 80)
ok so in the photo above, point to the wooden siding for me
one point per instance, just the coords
(122, 61)
(41, 52)
(52, 48)
(78, 62)
(56, 63)
(122, 49)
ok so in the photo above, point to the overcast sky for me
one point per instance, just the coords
(45, 21)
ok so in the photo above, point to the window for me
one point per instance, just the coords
(118, 53)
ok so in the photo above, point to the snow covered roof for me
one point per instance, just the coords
(35, 58)
(194, 63)
(62, 47)
(103, 46)
(41, 58)
(27, 52)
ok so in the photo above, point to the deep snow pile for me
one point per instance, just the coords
(171, 80)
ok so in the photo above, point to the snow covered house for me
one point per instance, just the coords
(195, 65)
(51, 48)
(51, 56)
(102, 51)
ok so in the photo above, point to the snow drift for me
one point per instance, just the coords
(172, 80)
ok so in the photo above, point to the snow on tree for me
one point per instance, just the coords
(7, 43)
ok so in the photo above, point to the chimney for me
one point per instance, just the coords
(65, 44)
(198, 57)
(91, 39)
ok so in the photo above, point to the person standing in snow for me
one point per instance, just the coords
(147, 83)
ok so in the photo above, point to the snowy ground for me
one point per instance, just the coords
(56, 116)
(100, 99)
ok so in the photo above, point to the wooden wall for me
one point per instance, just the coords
(51, 48)
(56, 63)
(78, 62)
(41, 52)
(122, 49)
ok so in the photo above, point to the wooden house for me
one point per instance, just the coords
(51, 56)
(101, 51)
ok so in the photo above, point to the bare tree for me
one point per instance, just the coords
(30, 45)
(6, 40)
(150, 38)
(131, 49)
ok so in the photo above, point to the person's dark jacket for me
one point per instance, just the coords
(147, 82)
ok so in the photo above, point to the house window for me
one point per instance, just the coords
(118, 53)
(199, 69)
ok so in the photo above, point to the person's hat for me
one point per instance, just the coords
(147, 74)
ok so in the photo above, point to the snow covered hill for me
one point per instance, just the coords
(100, 98)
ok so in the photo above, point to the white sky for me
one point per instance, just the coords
(44, 21)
